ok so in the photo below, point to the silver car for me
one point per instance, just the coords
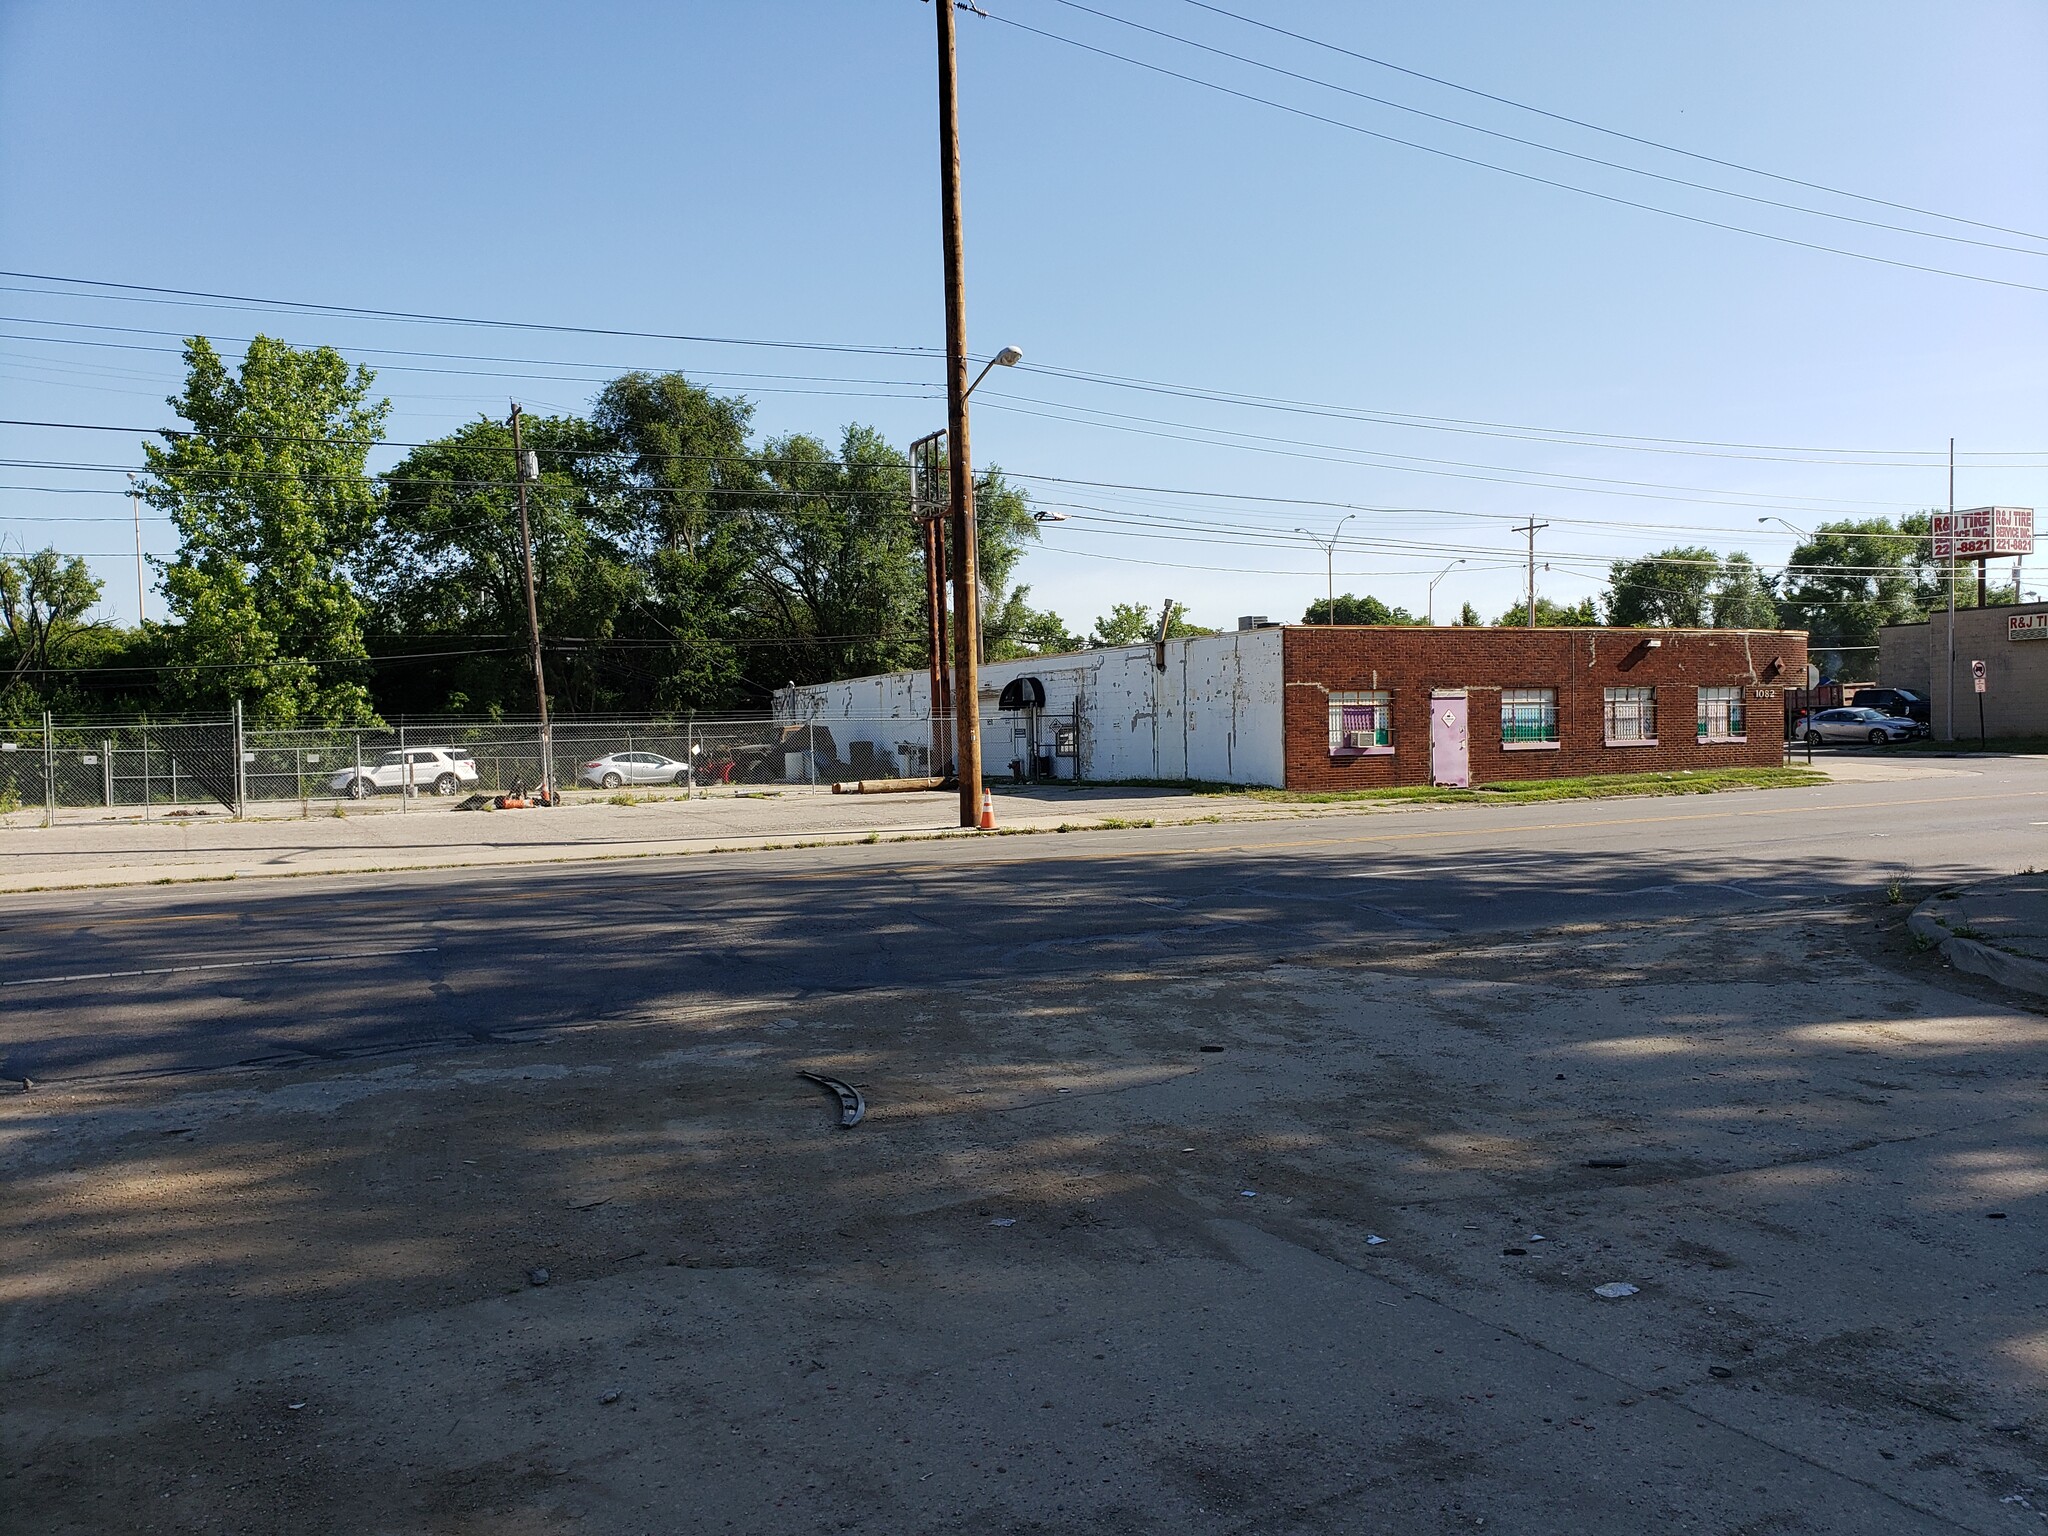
(1871, 725)
(617, 768)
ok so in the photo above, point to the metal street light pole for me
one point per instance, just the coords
(1329, 564)
(141, 602)
(1429, 605)
(1949, 692)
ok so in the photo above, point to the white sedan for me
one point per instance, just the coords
(617, 768)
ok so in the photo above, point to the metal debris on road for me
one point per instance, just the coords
(851, 1105)
(1004, 1221)
(538, 1276)
(1614, 1288)
(1373, 1241)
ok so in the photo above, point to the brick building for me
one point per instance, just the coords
(1369, 706)
(1351, 707)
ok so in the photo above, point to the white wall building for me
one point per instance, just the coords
(1204, 708)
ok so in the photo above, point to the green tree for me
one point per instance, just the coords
(44, 602)
(1467, 614)
(446, 566)
(841, 578)
(1017, 629)
(693, 500)
(1356, 610)
(272, 504)
(1549, 615)
(1665, 590)
(1129, 623)
(1126, 624)
(1854, 577)
(1742, 597)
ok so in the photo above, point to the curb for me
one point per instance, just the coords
(1975, 956)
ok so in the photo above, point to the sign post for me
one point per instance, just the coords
(1977, 681)
(1974, 533)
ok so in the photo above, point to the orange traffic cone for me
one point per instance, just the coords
(988, 811)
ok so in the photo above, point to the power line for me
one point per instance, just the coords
(1510, 138)
(1575, 122)
(1529, 176)
(360, 312)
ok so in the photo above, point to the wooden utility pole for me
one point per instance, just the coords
(1532, 528)
(521, 473)
(966, 579)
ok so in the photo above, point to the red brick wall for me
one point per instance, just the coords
(1579, 663)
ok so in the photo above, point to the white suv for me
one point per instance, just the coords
(442, 770)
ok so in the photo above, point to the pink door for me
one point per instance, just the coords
(1449, 762)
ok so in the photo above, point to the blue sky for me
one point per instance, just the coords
(769, 172)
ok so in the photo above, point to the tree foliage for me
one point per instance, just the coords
(1130, 623)
(1580, 615)
(1876, 573)
(1356, 610)
(45, 600)
(272, 503)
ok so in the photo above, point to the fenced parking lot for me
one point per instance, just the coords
(88, 769)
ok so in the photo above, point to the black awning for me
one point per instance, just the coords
(1022, 693)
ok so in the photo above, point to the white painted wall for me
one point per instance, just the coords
(1214, 713)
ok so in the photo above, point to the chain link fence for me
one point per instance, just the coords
(87, 769)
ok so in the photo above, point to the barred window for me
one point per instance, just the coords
(1528, 716)
(1721, 715)
(1631, 714)
(1361, 722)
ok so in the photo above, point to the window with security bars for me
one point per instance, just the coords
(1528, 717)
(1631, 715)
(1721, 715)
(1361, 722)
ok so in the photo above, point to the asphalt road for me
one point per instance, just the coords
(183, 978)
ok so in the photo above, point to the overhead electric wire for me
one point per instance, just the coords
(1537, 144)
(1458, 469)
(1529, 176)
(1576, 122)
(1387, 417)
(204, 298)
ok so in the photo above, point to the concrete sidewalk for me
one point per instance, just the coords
(1998, 929)
(432, 834)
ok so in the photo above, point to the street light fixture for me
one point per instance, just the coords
(1009, 357)
(1329, 562)
(1429, 606)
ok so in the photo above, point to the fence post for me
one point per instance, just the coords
(357, 782)
(305, 808)
(811, 752)
(107, 771)
(404, 773)
(241, 766)
(148, 785)
(49, 772)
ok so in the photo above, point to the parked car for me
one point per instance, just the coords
(1903, 703)
(1860, 725)
(616, 768)
(442, 770)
